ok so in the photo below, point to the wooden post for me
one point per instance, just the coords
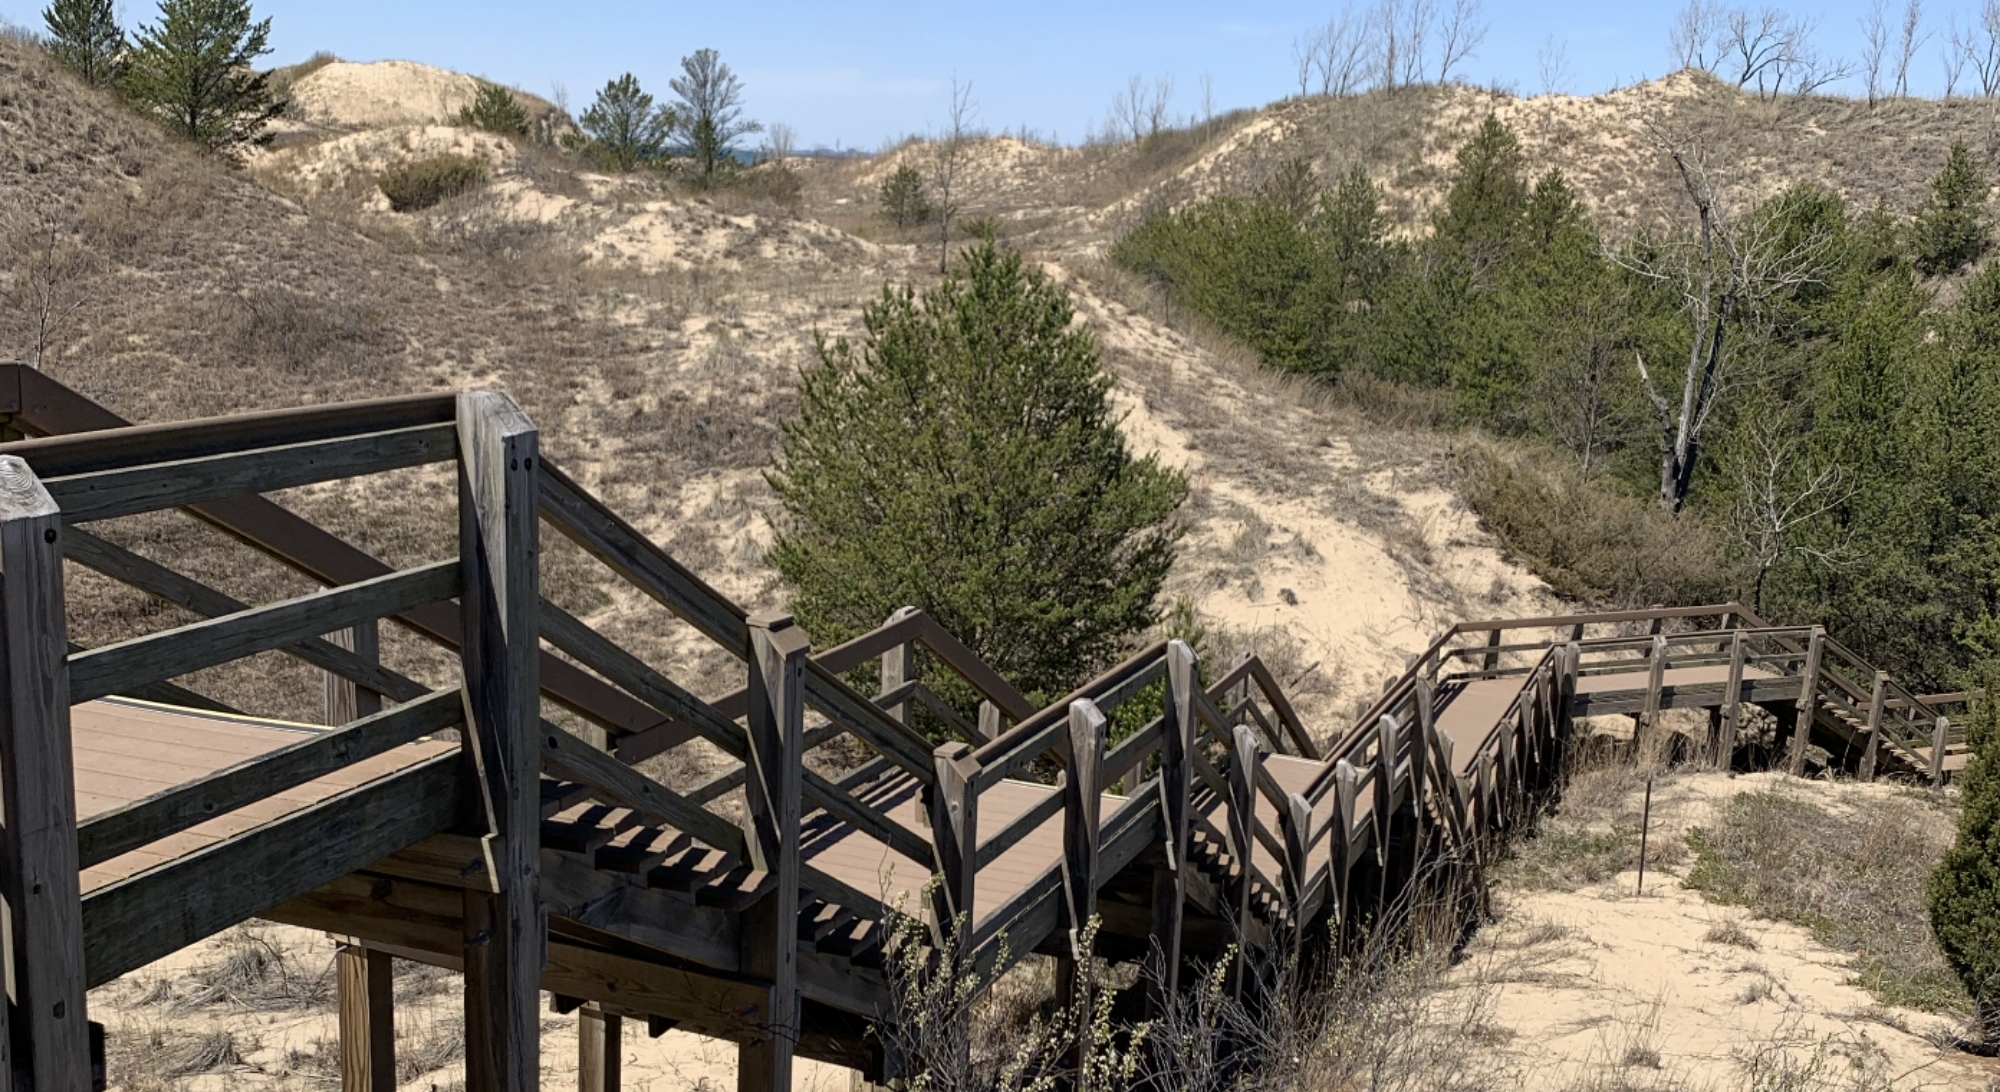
(367, 1019)
(1388, 746)
(1656, 678)
(990, 725)
(1492, 659)
(1808, 702)
(346, 701)
(1940, 739)
(772, 791)
(1732, 701)
(1176, 773)
(1875, 703)
(38, 876)
(505, 933)
(1082, 804)
(899, 665)
(600, 1050)
(955, 837)
(1346, 787)
(1243, 844)
(1296, 824)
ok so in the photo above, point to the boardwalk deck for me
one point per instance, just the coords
(1236, 821)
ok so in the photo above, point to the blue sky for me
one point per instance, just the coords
(856, 75)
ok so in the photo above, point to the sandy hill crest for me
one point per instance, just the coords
(380, 94)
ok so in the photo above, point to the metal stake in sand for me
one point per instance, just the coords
(1645, 826)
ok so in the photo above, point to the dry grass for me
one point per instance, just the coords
(1853, 875)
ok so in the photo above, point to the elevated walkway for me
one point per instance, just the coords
(492, 812)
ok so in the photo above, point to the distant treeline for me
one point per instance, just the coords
(1818, 385)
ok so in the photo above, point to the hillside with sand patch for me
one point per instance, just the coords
(655, 334)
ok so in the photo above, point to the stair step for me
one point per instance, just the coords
(636, 851)
(735, 890)
(560, 796)
(688, 869)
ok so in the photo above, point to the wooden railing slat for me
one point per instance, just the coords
(101, 672)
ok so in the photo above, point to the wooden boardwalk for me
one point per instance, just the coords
(499, 820)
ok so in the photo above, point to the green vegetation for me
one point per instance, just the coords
(903, 201)
(1965, 889)
(194, 70)
(963, 458)
(84, 35)
(494, 109)
(710, 120)
(1852, 875)
(425, 182)
(1812, 426)
(1950, 231)
(623, 130)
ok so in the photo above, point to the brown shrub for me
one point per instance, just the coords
(425, 182)
(1590, 542)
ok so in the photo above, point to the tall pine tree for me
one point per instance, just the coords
(194, 70)
(84, 35)
(964, 458)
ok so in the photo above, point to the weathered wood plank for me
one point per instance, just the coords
(137, 920)
(1875, 707)
(600, 1050)
(954, 813)
(1176, 781)
(500, 555)
(177, 809)
(774, 800)
(37, 783)
(105, 494)
(367, 1019)
(343, 664)
(1808, 699)
(104, 671)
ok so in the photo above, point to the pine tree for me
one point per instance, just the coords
(624, 127)
(194, 71)
(1965, 889)
(710, 120)
(903, 201)
(84, 35)
(494, 109)
(964, 458)
(1950, 229)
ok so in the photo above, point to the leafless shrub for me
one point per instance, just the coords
(1730, 932)
(46, 286)
(254, 974)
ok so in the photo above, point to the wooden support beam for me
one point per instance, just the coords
(899, 665)
(600, 1049)
(1940, 739)
(506, 936)
(773, 796)
(1492, 659)
(954, 816)
(1346, 780)
(1176, 782)
(1808, 701)
(1732, 701)
(367, 1019)
(346, 702)
(1875, 703)
(1082, 798)
(1656, 677)
(1242, 846)
(38, 867)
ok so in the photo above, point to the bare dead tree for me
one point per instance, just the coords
(1806, 70)
(1140, 111)
(1157, 105)
(1418, 16)
(1755, 45)
(1693, 37)
(1913, 38)
(1726, 265)
(1460, 33)
(1953, 59)
(1387, 45)
(46, 289)
(1978, 45)
(1305, 58)
(1779, 490)
(1343, 55)
(1207, 104)
(1874, 49)
(948, 153)
(1553, 62)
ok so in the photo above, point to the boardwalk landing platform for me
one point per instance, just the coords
(491, 812)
